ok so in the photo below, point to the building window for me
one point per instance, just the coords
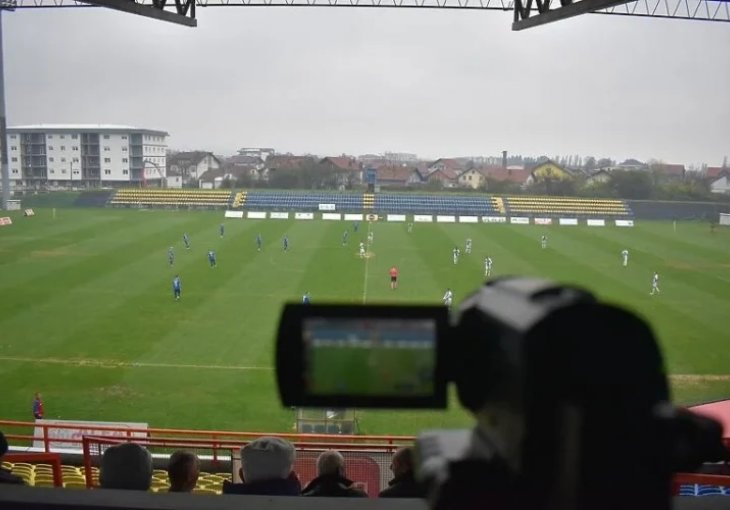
(107, 172)
(75, 147)
(107, 160)
(15, 171)
(13, 137)
(124, 149)
(125, 160)
(74, 137)
(76, 172)
(53, 171)
(14, 160)
(50, 147)
(63, 171)
(125, 172)
(63, 137)
(50, 159)
(63, 160)
(13, 148)
(106, 137)
(50, 137)
(63, 147)
(106, 149)
(76, 160)
(124, 137)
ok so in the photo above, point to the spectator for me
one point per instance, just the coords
(331, 481)
(126, 466)
(38, 407)
(266, 469)
(403, 484)
(183, 470)
(5, 475)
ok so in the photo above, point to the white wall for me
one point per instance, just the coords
(154, 149)
(14, 152)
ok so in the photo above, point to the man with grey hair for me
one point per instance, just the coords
(266, 469)
(331, 480)
(126, 466)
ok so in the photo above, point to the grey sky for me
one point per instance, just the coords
(329, 81)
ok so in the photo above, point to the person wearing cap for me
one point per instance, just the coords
(331, 480)
(6, 477)
(266, 469)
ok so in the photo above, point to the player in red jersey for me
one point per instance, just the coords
(393, 278)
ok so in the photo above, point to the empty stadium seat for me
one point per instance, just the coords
(160, 197)
(566, 206)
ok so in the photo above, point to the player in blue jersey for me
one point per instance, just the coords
(176, 288)
(286, 242)
(170, 255)
(344, 237)
(186, 240)
(222, 230)
(211, 258)
(259, 242)
(306, 299)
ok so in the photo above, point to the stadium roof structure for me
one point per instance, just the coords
(526, 13)
(97, 128)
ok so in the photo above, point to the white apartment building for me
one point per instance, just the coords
(85, 155)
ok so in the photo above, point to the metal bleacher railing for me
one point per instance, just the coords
(367, 457)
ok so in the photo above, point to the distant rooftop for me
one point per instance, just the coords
(87, 127)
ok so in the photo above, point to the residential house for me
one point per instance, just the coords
(349, 170)
(599, 176)
(518, 176)
(398, 175)
(256, 152)
(190, 166)
(631, 164)
(715, 172)
(446, 171)
(252, 167)
(721, 185)
(549, 170)
(474, 178)
(215, 178)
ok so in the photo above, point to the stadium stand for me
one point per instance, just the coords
(434, 204)
(656, 210)
(291, 201)
(368, 201)
(239, 200)
(562, 206)
(93, 198)
(158, 197)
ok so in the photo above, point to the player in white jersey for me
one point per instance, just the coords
(467, 248)
(371, 237)
(655, 284)
(543, 242)
(448, 298)
(362, 250)
(625, 257)
(410, 228)
(488, 266)
(455, 254)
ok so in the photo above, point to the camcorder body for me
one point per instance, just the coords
(570, 395)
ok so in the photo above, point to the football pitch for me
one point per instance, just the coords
(87, 315)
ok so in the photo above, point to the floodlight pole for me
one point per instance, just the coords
(3, 127)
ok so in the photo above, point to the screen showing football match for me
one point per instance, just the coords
(370, 357)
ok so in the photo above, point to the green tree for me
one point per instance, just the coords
(634, 184)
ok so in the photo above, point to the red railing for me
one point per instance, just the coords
(46, 438)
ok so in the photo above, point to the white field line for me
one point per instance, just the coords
(101, 363)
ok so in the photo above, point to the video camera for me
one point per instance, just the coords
(570, 395)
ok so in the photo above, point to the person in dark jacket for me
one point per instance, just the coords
(5, 475)
(331, 480)
(403, 484)
(266, 469)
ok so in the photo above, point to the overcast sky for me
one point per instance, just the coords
(331, 81)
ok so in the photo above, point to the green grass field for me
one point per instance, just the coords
(87, 315)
